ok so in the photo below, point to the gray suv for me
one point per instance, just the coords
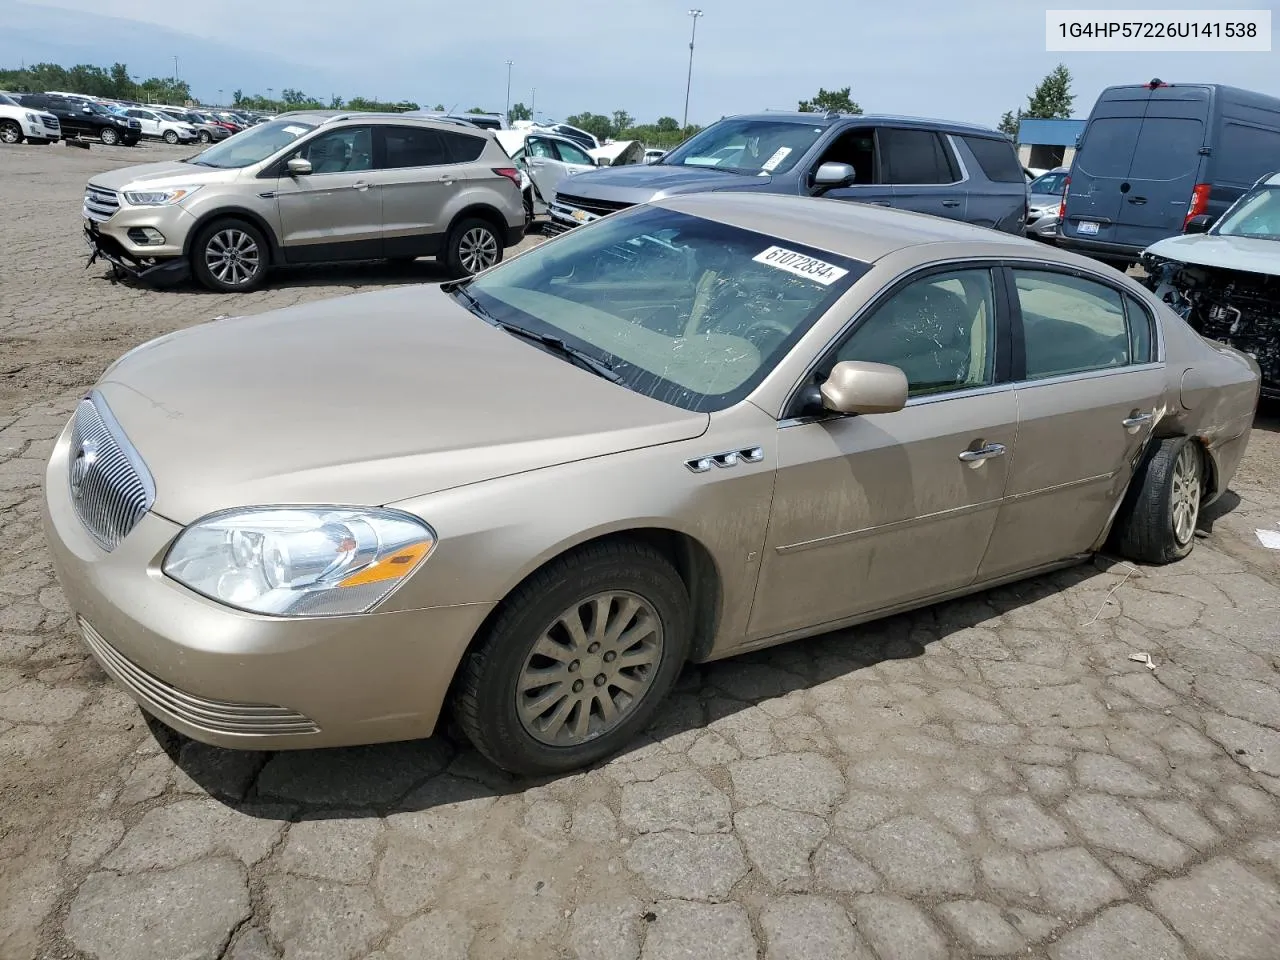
(310, 188)
(955, 170)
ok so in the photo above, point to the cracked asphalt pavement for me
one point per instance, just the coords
(994, 776)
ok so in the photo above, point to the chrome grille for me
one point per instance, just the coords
(50, 121)
(110, 485)
(216, 716)
(100, 204)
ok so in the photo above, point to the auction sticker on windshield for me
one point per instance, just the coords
(802, 265)
(296, 131)
(778, 156)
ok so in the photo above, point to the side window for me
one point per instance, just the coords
(913, 157)
(414, 147)
(347, 150)
(1141, 342)
(462, 147)
(538, 147)
(939, 330)
(1072, 325)
(571, 154)
(996, 158)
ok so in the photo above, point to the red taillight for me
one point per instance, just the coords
(511, 173)
(1199, 203)
(1062, 207)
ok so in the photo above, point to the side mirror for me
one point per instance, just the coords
(603, 161)
(834, 175)
(1200, 224)
(86, 110)
(857, 386)
(298, 166)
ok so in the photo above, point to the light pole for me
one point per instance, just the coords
(695, 14)
(175, 71)
(219, 96)
(533, 105)
(507, 114)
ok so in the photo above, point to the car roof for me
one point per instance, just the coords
(859, 231)
(318, 117)
(873, 120)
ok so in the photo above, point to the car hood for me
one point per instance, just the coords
(366, 400)
(639, 183)
(159, 174)
(1037, 200)
(1228, 253)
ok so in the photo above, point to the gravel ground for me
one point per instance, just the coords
(985, 777)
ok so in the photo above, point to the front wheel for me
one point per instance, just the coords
(1157, 522)
(576, 661)
(10, 132)
(109, 137)
(170, 137)
(473, 245)
(205, 136)
(230, 256)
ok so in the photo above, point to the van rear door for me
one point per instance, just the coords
(1102, 164)
(1165, 167)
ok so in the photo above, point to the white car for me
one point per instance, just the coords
(160, 126)
(18, 123)
(544, 160)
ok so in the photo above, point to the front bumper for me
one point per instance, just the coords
(1043, 227)
(239, 680)
(42, 130)
(159, 272)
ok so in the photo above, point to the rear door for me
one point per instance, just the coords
(996, 189)
(1102, 163)
(150, 123)
(923, 171)
(418, 180)
(1165, 166)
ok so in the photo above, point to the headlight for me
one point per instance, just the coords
(33, 118)
(158, 198)
(299, 561)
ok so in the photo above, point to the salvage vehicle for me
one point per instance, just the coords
(1043, 204)
(18, 123)
(1154, 156)
(1223, 277)
(698, 427)
(545, 160)
(309, 187)
(958, 171)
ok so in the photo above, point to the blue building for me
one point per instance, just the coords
(1045, 144)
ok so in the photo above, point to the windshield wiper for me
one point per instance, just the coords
(581, 358)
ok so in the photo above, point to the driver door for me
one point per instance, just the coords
(334, 212)
(857, 147)
(545, 166)
(875, 511)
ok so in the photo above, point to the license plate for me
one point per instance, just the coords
(1088, 227)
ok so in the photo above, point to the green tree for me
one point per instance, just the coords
(667, 125)
(477, 110)
(826, 101)
(595, 124)
(438, 108)
(379, 106)
(294, 98)
(335, 102)
(622, 121)
(1052, 98)
(1009, 123)
(519, 112)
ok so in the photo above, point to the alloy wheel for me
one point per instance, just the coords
(1186, 493)
(478, 249)
(233, 257)
(590, 669)
(109, 136)
(10, 132)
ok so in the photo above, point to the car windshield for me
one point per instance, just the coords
(253, 146)
(1256, 215)
(756, 147)
(1048, 183)
(8, 101)
(689, 311)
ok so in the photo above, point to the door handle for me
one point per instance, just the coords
(979, 456)
(1137, 420)
(446, 179)
(360, 185)
(951, 203)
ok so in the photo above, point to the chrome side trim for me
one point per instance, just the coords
(729, 458)
(881, 528)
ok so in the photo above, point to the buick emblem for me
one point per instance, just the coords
(84, 459)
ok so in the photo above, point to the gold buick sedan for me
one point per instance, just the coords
(693, 428)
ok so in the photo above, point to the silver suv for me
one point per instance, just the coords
(306, 188)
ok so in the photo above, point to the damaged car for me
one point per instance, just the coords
(1223, 277)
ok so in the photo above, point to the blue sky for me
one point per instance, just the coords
(962, 61)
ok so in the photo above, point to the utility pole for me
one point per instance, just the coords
(695, 14)
(507, 114)
(533, 106)
(175, 71)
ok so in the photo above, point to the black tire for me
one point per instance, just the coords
(472, 234)
(170, 137)
(1152, 526)
(10, 132)
(205, 136)
(109, 136)
(487, 686)
(221, 236)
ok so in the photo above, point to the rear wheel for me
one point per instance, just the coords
(230, 256)
(576, 661)
(1157, 522)
(109, 136)
(473, 245)
(10, 132)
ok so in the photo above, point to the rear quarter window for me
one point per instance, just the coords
(996, 158)
(1245, 153)
(914, 157)
(463, 148)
